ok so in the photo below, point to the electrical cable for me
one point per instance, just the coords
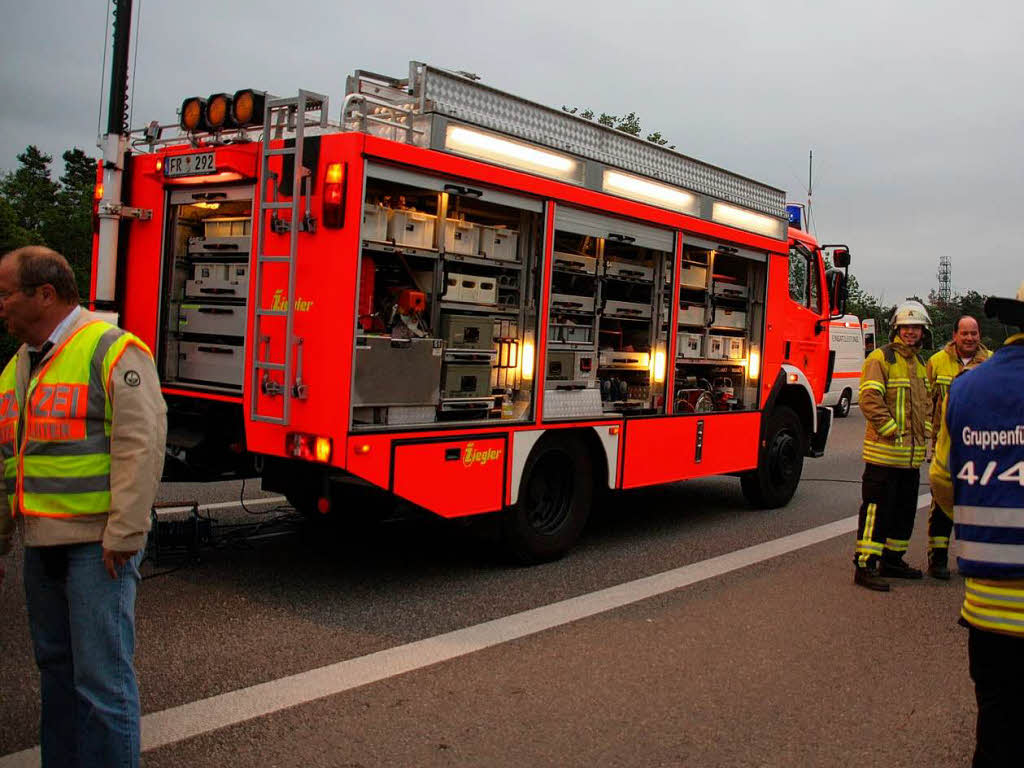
(103, 69)
(135, 62)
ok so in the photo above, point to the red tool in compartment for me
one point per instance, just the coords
(367, 279)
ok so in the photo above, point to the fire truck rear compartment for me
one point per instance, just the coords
(206, 288)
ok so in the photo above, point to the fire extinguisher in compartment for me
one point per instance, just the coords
(334, 196)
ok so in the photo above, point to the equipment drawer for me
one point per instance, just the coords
(210, 363)
(628, 269)
(466, 380)
(627, 309)
(215, 319)
(570, 303)
(574, 262)
(212, 279)
(225, 246)
(467, 332)
(691, 314)
(693, 275)
(729, 318)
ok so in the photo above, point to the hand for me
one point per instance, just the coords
(113, 560)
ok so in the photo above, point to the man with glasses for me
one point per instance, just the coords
(82, 432)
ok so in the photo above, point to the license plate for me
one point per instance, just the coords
(190, 165)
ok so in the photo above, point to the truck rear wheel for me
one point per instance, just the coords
(780, 463)
(555, 496)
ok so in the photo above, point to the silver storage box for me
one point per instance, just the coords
(628, 269)
(572, 403)
(213, 319)
(468, 332)
(626, 360)
(689, 345)
(729, 318)
(693, 275)
(210, 363)
(461, 237)
(691, 314)
(411, 228)
(499, 243)
(629, 309)
(375, 222)
(566, 302)
(574, 262)
(396, 415)
(571, 367)
(396, 371)
(465, 380)
(730, 290)
(218, 280)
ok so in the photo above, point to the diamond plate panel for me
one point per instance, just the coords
(472, 102)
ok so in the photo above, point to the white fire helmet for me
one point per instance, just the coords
(911, 313)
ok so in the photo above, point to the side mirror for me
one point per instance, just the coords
(841, 258)
(837, 290)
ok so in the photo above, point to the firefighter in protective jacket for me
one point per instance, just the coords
(963, 353)
(896, 405)
(978, 472)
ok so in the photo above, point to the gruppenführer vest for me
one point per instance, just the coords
(56, 452)
(985, 419)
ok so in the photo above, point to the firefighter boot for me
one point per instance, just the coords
(894, 566)
(938, 564)
(868, 578)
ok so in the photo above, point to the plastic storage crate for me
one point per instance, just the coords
(411, 228)
(499, 244)
(462, 237)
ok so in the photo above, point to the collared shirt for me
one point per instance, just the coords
(57, 334)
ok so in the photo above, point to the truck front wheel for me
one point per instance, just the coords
(554, 501)
(780, 463)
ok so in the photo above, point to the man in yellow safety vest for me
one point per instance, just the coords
(82, 432)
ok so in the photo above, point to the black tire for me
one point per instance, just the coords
(842, 408)
(780, 464)
(555, 497)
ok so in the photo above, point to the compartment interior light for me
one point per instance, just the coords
(658, 366)
(527, 359)
(488, 146)
(662, 195)
(741, 218)
(754, 364)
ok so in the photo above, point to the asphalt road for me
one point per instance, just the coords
(779, 662)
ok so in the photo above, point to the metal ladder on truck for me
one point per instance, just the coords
(279, 115)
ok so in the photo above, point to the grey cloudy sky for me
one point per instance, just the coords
(913, 109)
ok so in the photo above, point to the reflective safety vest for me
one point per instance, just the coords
(985, 422)
(943, 367)
(896, 406)
(56, 452)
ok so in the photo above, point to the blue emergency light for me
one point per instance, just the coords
(796, 215)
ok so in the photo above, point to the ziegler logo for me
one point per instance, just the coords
(473, 456)
(280, 303)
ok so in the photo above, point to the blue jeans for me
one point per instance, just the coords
(83, 633)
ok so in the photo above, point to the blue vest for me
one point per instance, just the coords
(985, 416)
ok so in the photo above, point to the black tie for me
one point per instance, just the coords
(35, 357)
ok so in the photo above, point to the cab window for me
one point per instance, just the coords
(804, 279)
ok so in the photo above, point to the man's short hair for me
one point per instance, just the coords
(38, 265)
(956, 325)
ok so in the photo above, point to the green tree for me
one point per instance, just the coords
(69, 228)
(628, 124)
(30, 191)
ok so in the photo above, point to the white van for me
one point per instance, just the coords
(846, 342)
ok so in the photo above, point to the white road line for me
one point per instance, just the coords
(188, 720)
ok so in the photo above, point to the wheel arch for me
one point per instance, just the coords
(601, 446)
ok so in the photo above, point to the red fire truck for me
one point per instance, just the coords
(467, 300)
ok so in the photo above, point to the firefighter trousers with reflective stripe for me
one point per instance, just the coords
(940, 526)
(887, 512)
(997, 669)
